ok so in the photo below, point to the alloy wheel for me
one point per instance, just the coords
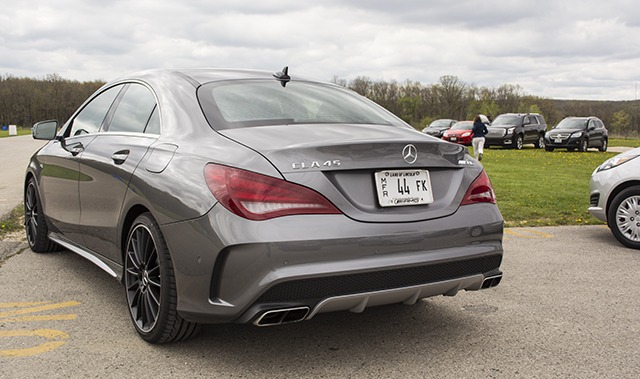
(31, 214)
(143, 280)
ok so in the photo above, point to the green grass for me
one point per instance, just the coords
(13, 222)
(631, 142)
(535, 187)
(21, 132)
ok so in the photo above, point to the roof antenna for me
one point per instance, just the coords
(283, 76)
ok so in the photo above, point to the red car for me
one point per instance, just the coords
(460, 133)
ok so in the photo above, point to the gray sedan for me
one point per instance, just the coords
(615, 196)
(221, 196)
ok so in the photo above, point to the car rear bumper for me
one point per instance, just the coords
(326, 263)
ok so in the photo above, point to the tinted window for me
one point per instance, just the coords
(90, 118)
(153, 126)
(133, 111)
(266, 102)
(504, 119)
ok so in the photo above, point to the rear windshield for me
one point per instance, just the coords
(247, 103)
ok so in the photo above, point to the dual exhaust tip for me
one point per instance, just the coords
(491, 281)
(282, 316)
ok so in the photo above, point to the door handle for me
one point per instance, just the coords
(120, 156)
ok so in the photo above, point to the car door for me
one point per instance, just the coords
(594, 132)
(60, 165)
(530, 128)
(110, 161)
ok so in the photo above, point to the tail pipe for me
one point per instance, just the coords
(491, 281)
(282, 316)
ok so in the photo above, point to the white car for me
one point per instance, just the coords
(615, 196)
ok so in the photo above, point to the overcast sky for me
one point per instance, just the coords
(559, 49)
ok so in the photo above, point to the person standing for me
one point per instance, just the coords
(479, 131)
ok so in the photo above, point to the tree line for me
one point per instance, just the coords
(419, 104)
(24, 101)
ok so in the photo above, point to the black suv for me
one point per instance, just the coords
(578, 133)
(516, 129)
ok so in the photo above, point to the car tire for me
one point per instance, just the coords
(540, 143)
(549, 148)
(35, 222)
(150, 285)
(603, 147)
(584, 145)
(623, 217)
(517, 142)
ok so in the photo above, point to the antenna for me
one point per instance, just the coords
(283, 76)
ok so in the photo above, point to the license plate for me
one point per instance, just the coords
(558, 140)
(403, 187)
(454, 138)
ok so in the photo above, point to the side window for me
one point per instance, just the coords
(153, 126)
(133, 111)
(90, 118)
(592, 124)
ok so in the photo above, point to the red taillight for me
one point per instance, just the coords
(260, 197)
(480, 191)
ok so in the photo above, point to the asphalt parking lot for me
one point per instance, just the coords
(567, 307)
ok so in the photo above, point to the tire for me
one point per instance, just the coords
(518, 142)
(540, 143)
(623, 217)
(35, 222)
(584, 145)
(604, 146)
(549, 148)
(150, 285)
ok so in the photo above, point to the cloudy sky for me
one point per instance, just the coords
(564, 49)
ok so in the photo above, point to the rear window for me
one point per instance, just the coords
(246, 103)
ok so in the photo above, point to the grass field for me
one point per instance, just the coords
(535, 187)
(21, 132)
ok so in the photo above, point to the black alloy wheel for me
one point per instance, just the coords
(150, 285)
(35, 224)
(518, 142)
(624, 217)
(584, 145)
(605, 144)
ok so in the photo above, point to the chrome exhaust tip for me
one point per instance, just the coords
(282, 316)
(491, 281)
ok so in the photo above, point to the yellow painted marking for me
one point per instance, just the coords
(528, 233)
(39, 308)
(49, 334)
(63, 317)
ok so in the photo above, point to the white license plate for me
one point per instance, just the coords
(454, 138)
(558, 140)
(403, 187)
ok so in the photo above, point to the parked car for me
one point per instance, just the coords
(615, 196)
(577, 133)
(516, 129)
(460, 133)
(221, 196)
(438, 127)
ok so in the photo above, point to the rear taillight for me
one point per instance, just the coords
(480, 191)
(260, 197)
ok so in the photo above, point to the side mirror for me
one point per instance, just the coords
(592, 127)
(45, 130)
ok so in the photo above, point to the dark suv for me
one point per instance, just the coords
(516, 129)
(578, 133)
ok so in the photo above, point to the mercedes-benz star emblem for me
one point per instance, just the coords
(410, 154)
